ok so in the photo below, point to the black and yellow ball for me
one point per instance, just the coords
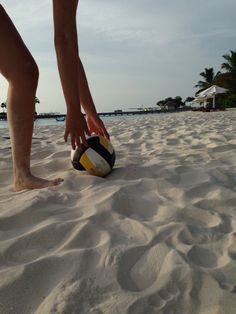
(97, 159)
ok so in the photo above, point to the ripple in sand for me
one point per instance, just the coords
(43, 241)
(45, 274)
(86, 236)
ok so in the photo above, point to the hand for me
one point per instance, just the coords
(96, 125)
(77, 127)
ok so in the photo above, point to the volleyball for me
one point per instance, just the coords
(98, 158)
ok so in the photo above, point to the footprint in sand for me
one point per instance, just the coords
(202, 257)
(208, 257)
(220, 222)
(140, 266)
(202, 218)
(137, 201)
(141, 306)
(229, 287)
(159, 301)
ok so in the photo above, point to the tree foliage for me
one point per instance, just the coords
(226, 79)
(176, 102)
(3, 106)
(230, 65)
(209, 78)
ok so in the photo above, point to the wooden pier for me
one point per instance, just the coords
(107, 114)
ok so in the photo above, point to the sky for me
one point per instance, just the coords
(135, 52)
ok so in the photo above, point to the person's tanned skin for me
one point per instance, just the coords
(19, 68)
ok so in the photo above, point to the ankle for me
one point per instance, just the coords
(21, 174)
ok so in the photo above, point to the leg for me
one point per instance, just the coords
(20, 70)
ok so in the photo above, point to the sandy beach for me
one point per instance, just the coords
(157, 236)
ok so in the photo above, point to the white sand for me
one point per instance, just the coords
(156, 236)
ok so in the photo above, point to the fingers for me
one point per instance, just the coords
(78, 135)
(75, 140)
(72, 139)
(77, 129)
(103, 132)
(78, 140)
(87, 130)
(84, 141)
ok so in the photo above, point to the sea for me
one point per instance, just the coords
(52, 121)
(39, 122)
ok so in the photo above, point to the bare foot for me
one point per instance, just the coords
(28, 182)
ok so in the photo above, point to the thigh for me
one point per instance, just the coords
(13, 51)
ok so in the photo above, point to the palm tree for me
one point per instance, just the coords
(230, 67)
(210, 78)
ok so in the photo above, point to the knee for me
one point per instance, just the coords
(27, 75)
(30, 74)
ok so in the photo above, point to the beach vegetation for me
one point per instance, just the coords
(209, 78)
(3, 113)
(188, 99)
(171, 103)
(3, 106)
(230, 64)
(225, 78)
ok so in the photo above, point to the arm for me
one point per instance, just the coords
(66, 45)
(85, 95)
(95, 124)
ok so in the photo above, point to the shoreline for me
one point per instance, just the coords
(112, 113)
(127, 113)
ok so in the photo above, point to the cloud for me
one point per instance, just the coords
(28, 14)
(134, 51)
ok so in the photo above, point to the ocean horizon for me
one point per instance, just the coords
(53, 121)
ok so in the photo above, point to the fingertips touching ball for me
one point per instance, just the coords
(98, 158)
